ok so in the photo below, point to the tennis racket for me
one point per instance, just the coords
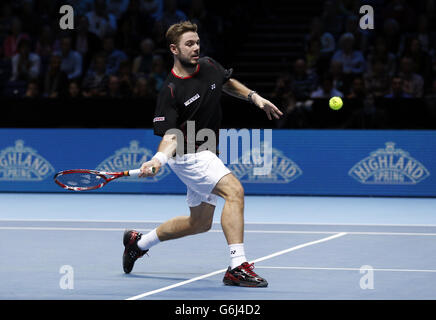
(84, 179)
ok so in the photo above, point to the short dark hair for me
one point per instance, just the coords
(175, 31)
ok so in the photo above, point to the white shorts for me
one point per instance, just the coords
(200, 172)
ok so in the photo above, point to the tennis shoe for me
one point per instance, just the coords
(131, 252)
(244, 276)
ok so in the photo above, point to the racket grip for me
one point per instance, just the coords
(136, 172)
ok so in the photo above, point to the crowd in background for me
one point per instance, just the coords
(116, 49)
(396, 59)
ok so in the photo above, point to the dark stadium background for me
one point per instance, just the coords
(265, 42)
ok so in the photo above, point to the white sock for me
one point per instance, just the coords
(148, 240)
(237, 255)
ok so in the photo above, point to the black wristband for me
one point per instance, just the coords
(250, 95)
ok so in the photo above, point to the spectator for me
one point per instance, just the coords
(413, 83)
(32, 90)
(74, 91)
(363, 110)
(340, 82)
(144, 88)
(285, 100)
(313, 56)
(5, 70)
(421, 60)
(431, 73)
(81, 7)
(117, 7)
(326, 90)
(158, 36)
(140, 21)
(26, 65)
(424, 35)
(85, 42)
(348, 7)
(317, 32)
(198, 12)
(430, 99)
(30, 21)
(113, 87)
(113, 55)
(129, 35)
(331, 18)
(126, 78)
(282, 88)
(396, 90)
(55, 80)
(95, 82)
(361, 39)
(100, 21)
(391, 35)
(208, 26)
(353, 62)
(377, 80)
(379, 52)
(401, 12)
(10, 45)
(6, 19)
(153, 8)
(171, 14)
(303, 82)
(142, 63)
(71, 60)
(158, 71)
(358, 90)
(46, 45)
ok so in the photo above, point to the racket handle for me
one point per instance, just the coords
(136, 172)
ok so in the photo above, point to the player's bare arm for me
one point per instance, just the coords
(166, 150)
(236, 89)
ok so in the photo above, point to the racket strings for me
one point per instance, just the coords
(81, 180)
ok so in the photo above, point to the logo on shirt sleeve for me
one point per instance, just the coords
(156, 119)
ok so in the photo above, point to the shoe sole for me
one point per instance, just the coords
(126, 239)
(228, 282)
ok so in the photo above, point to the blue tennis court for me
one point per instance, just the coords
(69, 246)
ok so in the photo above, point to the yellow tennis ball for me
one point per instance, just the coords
(335, 103)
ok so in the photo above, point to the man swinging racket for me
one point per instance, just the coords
(192, 92)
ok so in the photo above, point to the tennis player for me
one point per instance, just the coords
(192, 92)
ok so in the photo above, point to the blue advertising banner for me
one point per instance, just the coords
(301, 162)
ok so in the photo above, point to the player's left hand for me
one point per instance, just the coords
(267, 106)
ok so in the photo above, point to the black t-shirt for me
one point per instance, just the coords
(193, 98)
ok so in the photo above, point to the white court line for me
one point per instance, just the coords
(346, 269)
(219, 230)
(218, 222)
(149, 293)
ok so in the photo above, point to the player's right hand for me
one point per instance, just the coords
(146, 168)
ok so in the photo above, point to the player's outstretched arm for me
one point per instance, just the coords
(166, 150)
(236, 89)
